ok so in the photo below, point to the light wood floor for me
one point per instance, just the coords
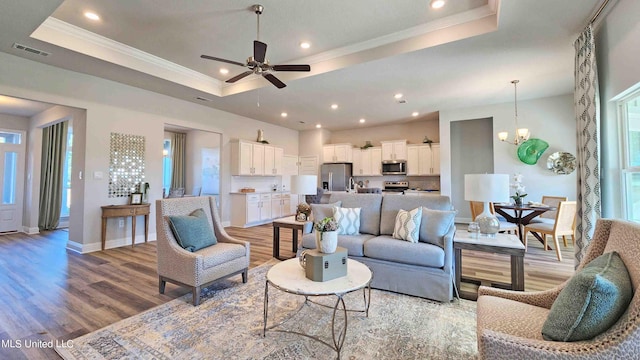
(49, 293)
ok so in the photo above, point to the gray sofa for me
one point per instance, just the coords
(424, 269)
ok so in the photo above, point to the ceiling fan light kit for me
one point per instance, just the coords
(257, 63)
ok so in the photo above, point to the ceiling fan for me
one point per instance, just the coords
(257, 63)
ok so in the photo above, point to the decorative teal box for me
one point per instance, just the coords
(324, 267)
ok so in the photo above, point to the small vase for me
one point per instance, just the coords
(327, 242)
(518, 201)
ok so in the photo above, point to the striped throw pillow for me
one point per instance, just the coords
(408, 225)
(348, 220)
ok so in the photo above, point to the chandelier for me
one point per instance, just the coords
(522, 134)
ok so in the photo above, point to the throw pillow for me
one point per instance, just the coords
(408, 225)
(192, 231)
(591, 302)
(321, 211)
(348, 220)
(435, 224)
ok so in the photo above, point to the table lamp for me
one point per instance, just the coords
(304, 185)
(487, 188)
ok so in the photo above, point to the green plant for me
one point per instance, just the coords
(326, 224)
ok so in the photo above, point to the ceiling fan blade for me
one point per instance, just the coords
(274, 80)
(291, 67)
(239, 76)
(259, 51)
(222, 60)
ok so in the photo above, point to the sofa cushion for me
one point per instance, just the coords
(221, 253)
(370, 213)
(392, 203)
(353, 243)
(591, 302)
(321, 211)
(348, 220)
(435, 225)
(385, 247)
(408, 225)
(193, 232)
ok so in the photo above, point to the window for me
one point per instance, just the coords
(10, 138)
(166, 165)
(9, 181)
(630, 113)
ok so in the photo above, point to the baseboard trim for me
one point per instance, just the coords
(30, 230)
(110, 244)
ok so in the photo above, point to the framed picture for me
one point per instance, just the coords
(136, 198)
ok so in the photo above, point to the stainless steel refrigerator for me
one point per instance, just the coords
(335, 177)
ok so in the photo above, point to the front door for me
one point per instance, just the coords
(12, 162)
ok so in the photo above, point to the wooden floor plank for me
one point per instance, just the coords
(51, 293)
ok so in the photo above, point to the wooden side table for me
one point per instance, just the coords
(289, 223)
(126, 211)
(501, 244)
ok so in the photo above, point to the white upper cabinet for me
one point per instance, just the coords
(394, 150)
(255, 159)
(423, 160)
(367, 162)
(337, 153)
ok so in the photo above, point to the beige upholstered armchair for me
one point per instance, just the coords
(510, 323)
(196, 269)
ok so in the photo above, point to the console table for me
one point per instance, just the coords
(126, 211)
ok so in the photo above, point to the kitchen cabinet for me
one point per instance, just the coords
(273, 160)
(281, 205)
(394, 150)
(337, 153)
(250, 209)
(423, 160)
(367, 162)
(255, 159)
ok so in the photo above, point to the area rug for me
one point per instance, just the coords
(228, 325)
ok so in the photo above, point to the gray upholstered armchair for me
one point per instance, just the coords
(196, 269)
(510, 322)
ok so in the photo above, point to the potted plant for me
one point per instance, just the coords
(326, 235)
(519, 190)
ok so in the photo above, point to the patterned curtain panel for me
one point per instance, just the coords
(178, 159)
(587, 109)
(54, 147)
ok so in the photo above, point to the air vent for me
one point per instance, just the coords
(203, 99)
(402, 101)
(30, 49)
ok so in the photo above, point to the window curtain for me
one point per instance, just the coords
(587, 110)
(178, 159)
(54, 147)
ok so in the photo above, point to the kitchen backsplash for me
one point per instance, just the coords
(422, 182)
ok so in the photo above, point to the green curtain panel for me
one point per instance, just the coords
(178, 159)
(54, 147)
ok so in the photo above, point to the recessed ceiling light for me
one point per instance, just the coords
(284, 114)
(92, 16)
(362, 121)
(224, 71)
(318, 126)
(415, 113)
(398, 96)
(305, 45)
(437, 4)
(334, 106)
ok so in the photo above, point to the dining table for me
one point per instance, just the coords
(522, 215)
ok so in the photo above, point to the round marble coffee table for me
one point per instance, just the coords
(289, 276)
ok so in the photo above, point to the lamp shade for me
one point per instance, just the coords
(304, 184)
(486, 187)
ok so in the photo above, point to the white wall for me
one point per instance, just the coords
(550, 119)
(413, 132)
(617, 54)
(14, 122)
(114, 107)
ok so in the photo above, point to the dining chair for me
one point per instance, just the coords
(478, 206)
(551, 201)
(563, 225)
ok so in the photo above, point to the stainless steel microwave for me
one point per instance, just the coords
(394, 167)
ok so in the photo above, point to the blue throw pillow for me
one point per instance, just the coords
(591, 302)
(192, 231)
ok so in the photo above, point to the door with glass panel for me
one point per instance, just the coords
(12, 150)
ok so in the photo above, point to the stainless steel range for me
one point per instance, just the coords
(395, 186)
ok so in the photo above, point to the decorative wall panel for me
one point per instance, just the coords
(126, 166)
